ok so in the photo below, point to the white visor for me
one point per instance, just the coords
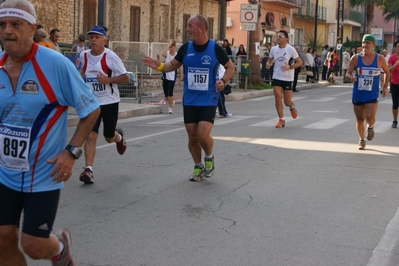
(17, 13)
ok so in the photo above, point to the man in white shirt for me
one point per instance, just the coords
(283, 74)
(102, 70)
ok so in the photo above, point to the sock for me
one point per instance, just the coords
(60, 249)
(292, 107)
(200, 165)
(120, 138)
(371, 127)
(90, 168)
(209, 156)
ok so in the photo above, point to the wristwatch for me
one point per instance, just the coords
(75, 151)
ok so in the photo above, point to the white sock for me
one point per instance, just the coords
(90, 168)
(120, 138)
(61, 247)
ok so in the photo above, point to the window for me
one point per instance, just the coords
(89, 14)
(186, 17)
(210, 28)
(135, 12)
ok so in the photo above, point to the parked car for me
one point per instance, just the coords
(128, 90)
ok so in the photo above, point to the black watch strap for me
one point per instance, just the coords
(75, 151)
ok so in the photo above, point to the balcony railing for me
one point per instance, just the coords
(308, 11)
(353, 15)
(287, 3)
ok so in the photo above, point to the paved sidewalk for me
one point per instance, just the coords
(153, 101)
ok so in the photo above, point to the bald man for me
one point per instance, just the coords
(41, 38)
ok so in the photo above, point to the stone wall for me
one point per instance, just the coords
(160, 19)
(58, 14)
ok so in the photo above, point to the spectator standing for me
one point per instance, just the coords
(352, 52)
(393, 65)
(80, 46)
(316, 65)
(102, 70)
(41, 38)
(38, 85)
(309, 64)
(296, 73)
(201, 91)
(345, 63)
(241, 51)
(366, 87)
(55, 35)
(384, 54)
(227, 48)
(283, 75)
(222, 99)
(323, 59)
(169, 78)
(266, 73)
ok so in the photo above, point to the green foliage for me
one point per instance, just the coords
(350, 44)
(309, 39)
(261, 86)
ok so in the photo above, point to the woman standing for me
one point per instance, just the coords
(332, 65)
(169, 78)
(227, 47)
(241, 50)
(309, 64)
(393, 65)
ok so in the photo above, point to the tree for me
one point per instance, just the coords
(369, 6)
(255, 77)
(391, 11)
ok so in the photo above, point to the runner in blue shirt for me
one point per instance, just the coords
(37, 85)
(367, 67)
(200, 58)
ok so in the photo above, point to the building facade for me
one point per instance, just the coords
(127, 20)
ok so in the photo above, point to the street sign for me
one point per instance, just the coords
(378, 34)
(248, 26)
(249, 13)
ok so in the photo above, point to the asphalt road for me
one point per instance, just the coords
(302, 195)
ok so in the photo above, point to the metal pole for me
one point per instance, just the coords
(316, 14)
(342, 38)
(222, 23)
(394, 26)
(246, 78)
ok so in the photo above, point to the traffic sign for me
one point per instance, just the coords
(248, 26)
(249, 13)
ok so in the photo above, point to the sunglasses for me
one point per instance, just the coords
(280, 36)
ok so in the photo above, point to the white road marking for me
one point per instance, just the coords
(326, 123)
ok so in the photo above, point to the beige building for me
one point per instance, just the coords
(127, 20)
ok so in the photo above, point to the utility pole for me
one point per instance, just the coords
(222, 22)
(315, 24)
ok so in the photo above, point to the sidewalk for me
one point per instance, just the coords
(152, 103)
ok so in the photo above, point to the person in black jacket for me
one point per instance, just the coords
(226, 46)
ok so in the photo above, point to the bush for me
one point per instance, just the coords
(263, 86)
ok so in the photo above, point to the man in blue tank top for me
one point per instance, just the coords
(200, 58)
(367, 67)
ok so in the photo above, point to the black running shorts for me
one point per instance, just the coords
(195, 114)
(39, 208)
(109, 116)
(286, 85)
